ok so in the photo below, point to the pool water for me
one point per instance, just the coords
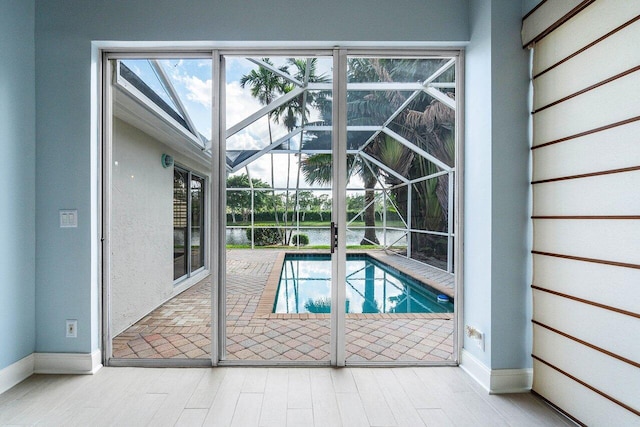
(372, 287)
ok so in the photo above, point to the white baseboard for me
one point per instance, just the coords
(511, 380)
(68, 363)
(476, 369)
(496, 381)
(49, 363)
(16, 373)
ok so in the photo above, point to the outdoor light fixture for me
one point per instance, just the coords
(166, 160)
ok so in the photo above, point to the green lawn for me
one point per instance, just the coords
(309, 224)
(362, 247)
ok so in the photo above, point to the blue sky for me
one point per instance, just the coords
(192, 80)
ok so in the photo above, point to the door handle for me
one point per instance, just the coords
(333, 237)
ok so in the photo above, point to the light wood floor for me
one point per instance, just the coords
(268, 397)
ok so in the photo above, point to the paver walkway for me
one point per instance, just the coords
(181, 327)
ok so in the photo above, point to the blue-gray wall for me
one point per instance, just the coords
(66, 165)
(496, 240)
(478, 178)
(510, 199)
(17, 181)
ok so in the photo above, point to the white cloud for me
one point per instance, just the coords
(195, 89)
(240, 103)
(243, 141)
(198, 90)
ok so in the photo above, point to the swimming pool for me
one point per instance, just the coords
(372, 287)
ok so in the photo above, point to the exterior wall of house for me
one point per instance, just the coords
(17, 182)
(142, 226)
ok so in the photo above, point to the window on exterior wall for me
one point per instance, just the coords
(188, 223)
(197, 222)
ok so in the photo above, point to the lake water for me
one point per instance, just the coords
(320, 236)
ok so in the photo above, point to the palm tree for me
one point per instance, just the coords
(296, 111)
(306, 71)
(317, 169)
(426, 122)
(433, 128)
(265, 86)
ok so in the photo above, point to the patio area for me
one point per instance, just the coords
(181, 328)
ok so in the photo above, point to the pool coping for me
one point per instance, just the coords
(265, 304)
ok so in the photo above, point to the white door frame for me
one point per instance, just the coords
(217, 228)
(339, 182)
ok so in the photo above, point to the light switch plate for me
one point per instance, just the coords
(68, 218)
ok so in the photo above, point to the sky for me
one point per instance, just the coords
(192, 79)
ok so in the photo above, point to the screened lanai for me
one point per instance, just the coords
(280, 121)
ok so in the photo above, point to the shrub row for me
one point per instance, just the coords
(274, 236)
(308, 216)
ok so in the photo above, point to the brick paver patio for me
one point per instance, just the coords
(181, 327)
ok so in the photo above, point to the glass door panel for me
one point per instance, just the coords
(278, 197)
(157, 169)
(399, 286)
(180, 228)
(198, 203)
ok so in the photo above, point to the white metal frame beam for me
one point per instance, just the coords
(383, 166)
(410, 145)
(339, 257)
(276, 71)
(264, 111)
(266, 150)
(143, 100)
(166, 82)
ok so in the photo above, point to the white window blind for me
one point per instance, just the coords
(586, 207)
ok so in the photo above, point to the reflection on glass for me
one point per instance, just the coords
(180, 222)
(383, 70)
(180, 87)
(141, 74)
(429, 204)
(430, 249)
(197, 223)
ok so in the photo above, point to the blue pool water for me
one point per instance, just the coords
(372, 287)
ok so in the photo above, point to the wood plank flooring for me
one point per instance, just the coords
(238, 396)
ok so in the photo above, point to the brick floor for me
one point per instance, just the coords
(181, 327)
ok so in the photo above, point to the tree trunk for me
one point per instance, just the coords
(369, 213)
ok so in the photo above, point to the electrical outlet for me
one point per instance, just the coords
(72, 328)
(480, 341)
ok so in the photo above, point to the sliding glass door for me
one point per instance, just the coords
(188, 223)
(278, 191)
(340, 183)
(283, 207)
